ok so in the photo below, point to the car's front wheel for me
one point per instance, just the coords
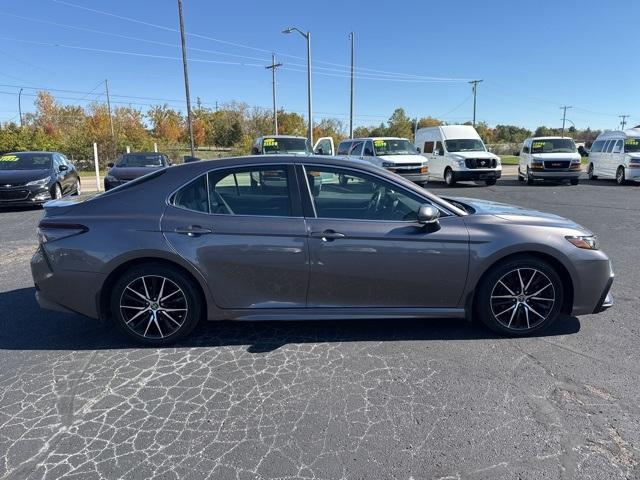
(520, 296)
(155, 304)
(78, 187)
(449, 179)
(620, 177)
(56, 193)
(591, 174)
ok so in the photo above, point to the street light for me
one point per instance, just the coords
(307, 36)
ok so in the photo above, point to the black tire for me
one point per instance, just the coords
(520, 176)
(56, 192)
(620, 176)
(490, 182)
(449, 178)
(183, 302)
(574, 181)
(590, 173)
(78, 190)
(510, 316)
(530, 180)
(423, 184)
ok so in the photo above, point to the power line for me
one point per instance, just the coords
(623, 121)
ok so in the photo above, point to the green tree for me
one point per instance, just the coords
(400, 125)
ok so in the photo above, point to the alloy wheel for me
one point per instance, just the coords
(620, 176)
(78, 188)
(153, 306)
(57, 192)
(522, 299)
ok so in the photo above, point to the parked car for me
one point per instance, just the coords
(130, 166)
(616, 154)
(549, 158)
(291, 145)
(32, 178)
(456, 152)
(397, 155)
(202, 240)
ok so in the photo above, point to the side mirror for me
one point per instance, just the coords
(110, 164)
(63, 168)
(418, 149)
(254, 151)
(428, 214)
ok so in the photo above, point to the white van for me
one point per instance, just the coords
(395, 154)
(549, 158)
(456, 152)
(616, 154)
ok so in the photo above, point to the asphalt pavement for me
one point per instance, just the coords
(330, 400)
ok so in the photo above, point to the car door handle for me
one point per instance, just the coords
(192, 230)
(328, 235)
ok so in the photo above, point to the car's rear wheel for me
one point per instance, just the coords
(590, 173)
(620, 177)
(520, 297)
(449, 178)
(155, 304)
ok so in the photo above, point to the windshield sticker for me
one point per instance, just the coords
(270, 142)
(379, 143)
(632, 141)
(9, 158)
(537, 144)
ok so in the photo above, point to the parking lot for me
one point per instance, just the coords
(325, 400)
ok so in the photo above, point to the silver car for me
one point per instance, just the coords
(220, 240)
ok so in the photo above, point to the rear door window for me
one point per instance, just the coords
(609, 146)
(617, 148)
(356, 149)
(343, 148)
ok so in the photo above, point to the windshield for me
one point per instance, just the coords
(394, 147)
(553, 145)
(25, 161)
(141, 160)
(465, 145)
(285, 145)
(632, 145)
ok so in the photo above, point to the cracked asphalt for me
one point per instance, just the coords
(329, 400)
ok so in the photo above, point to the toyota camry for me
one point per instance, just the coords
(287, 238)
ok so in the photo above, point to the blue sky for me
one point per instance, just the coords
(533, 57)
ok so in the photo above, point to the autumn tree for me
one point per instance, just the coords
(166, 123)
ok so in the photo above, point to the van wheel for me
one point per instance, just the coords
(529, 177)
(574, 181)
(620, 176)
(520, 176)
(590, 173)
(155, 304)
(448, 177)
(520, 296)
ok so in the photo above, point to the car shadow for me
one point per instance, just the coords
(25, 326)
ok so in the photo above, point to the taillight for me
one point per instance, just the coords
(50, 231)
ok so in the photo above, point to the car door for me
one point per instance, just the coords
(617, 157)
(324, 146)
(438, 160)
(243, 229)
(525, 158)
(367, 249)
(71, 175)
(59, 170)
(606, 158)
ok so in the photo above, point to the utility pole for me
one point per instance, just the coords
(623, 120)
(186, 77)
(273, 67)
(351, 35)
(564, 116)
(307, 37)
(113, 135)
(20, 105)
(474, 83)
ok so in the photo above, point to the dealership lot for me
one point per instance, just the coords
(383, 399)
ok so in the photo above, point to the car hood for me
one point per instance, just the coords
(475, 154)
(11, 177)
(517, 214)
(400, 159)
(129, 173)
(556, 156)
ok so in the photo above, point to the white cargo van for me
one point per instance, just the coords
(549, 158)
(616, 154)
(456, 152)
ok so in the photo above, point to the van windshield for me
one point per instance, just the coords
(285, 145)
(394, 147)
(553, 145)
(632, 145)
(465, 145)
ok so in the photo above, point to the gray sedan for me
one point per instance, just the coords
(285, 238)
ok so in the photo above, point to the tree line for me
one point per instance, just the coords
(72, 129)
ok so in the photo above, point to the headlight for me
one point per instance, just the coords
(111, 178)
(498, 162)
(458, 160)
(588, 242)
(388, 164)
(40, 183)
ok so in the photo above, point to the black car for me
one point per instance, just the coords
(32, 178)
(133, 165)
